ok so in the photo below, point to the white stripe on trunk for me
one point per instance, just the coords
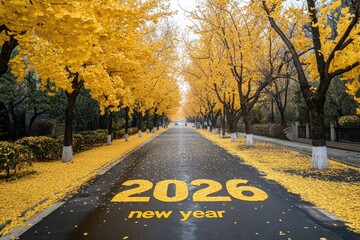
(67, 154)
(233, 137)
(249, 139)
(109, 140)
(319, 157)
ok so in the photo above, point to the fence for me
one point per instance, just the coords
(347, 134)
(341, 134)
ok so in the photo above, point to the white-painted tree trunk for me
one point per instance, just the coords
(208, 128)
(249, 139)
(319, 158)
(140, 133)
(233, 137)
(126, 137)
(148, 131)
(109, 140)
(67, 154)
(153, 130)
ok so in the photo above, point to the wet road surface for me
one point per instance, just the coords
(185, 187)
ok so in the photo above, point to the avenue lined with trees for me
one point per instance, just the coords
(103, 64)
(301, 57)
(88, 89)
(78, 66)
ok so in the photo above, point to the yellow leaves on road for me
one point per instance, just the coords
(336, 190)
(54, 181)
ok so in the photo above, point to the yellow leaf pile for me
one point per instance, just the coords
(332, 190)
(56, 180)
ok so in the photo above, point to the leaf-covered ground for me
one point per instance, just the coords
(337, 190)
(53, 181)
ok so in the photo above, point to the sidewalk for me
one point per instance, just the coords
(347, 157)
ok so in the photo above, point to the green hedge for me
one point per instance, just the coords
(42, 148)
(13, 155)
(121, 133)
(133, 131)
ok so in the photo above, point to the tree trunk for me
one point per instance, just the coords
(272, 118)
(126, 124)
(319, 151)
(208, 123)
(147, 121)
(283, 119)
(155, 122)
(214, 119)
(248, 128)
(5, 54)
(109, 128)
(232, 126)
(140, 123)
(222, 132)
(67, 153)
(162, 120)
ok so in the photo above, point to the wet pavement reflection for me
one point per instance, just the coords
(225, 212)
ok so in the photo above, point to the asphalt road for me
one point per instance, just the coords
(185, 187)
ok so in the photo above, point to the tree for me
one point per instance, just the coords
(63, 28)
(278, 89)
(332, 54)
(246, 51)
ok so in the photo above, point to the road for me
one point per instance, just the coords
(182, 186)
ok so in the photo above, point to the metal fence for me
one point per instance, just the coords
(347, 134)
(302, 132)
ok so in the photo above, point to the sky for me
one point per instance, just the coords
(182, 6)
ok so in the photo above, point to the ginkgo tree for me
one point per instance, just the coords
(244, 47)
(156, 89)
(319, 51)
(199, 73)
(74, 36)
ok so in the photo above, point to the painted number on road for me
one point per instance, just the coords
(235, 187)
(126, 196)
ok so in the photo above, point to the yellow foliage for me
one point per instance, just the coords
(104, 42)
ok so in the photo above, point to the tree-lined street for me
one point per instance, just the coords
(191, 198)
(262, 98)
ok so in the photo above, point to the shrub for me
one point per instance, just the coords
(133, 130)
(121, 133)
(78, 143)
(44, 127)
(89, 139)
(101, 131)
(12, 155)
(42, 148)
(351, 121)
(115, 134)
(101, 139)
